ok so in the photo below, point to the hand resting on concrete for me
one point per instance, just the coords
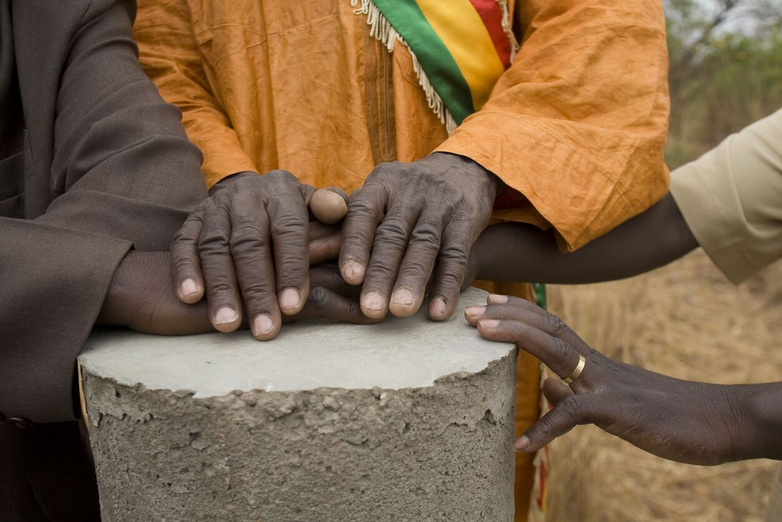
(245, 248)
(141, 297)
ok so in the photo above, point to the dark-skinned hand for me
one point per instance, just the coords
(246, 249)
(141, 297)
(685, 421)
(408, 220)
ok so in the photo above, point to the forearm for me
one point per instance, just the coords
(514, 252)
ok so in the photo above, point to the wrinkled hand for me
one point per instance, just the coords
(679, 420)
(248, 243)
(141, 297)
(406, 217)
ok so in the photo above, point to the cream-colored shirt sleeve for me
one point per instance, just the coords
(731, 198)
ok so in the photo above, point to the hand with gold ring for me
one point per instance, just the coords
(691, 422)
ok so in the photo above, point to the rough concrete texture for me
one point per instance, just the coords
(408, 420)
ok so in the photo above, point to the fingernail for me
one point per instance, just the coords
(188, 287)
(489, 323)
(290, 299)
(475, 311)
(498, 299)
(437, 307)
(341, 193)
(522, 443)
(262, 324)
(403, 296)
(353, 270)
(225, 315)
(372, 301)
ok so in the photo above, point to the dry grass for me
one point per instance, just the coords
(685, 320)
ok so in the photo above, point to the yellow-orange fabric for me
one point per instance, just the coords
(575, 128)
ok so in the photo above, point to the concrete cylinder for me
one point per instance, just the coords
(406, 420)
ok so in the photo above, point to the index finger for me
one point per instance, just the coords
(552, 351)
(289, 224)
(185, 261)
(545, 320)
(365, 211)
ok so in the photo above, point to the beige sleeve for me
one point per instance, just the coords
(731, 198)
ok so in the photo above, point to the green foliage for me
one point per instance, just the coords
(721, 80)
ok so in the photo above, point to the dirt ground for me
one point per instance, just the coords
(685, 320)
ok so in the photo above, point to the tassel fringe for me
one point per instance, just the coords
(382, 30)
(508, 28)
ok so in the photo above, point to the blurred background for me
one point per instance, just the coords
(685, 320)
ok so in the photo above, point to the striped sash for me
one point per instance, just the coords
(460, 48)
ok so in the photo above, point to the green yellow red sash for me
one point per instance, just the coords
(462, 46)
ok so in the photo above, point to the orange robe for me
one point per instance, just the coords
(575, 128)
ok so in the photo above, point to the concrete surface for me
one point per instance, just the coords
(406, 420)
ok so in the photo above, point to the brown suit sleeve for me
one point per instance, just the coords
(123, 175)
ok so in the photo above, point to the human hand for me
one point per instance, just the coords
(690, 422)
(248, 242)
(409, 215)
(141, 297)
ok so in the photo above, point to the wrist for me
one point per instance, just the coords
(763, 424)
(230, 178)
(749, 418)
(114, 311)
(494, 182)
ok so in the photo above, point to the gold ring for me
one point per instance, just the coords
(579, 368)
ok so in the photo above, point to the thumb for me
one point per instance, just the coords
(566, 415)
(329, 205)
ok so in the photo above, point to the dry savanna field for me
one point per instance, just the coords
(688, 321)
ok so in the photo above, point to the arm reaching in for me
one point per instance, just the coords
(517, 252)
(141, 297)
(692, 422)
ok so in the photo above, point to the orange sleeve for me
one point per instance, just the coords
(169, 55)
(577, 126)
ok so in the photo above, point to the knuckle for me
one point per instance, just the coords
(380, 270)
(320, 297)
(417, 268)
(384, 169)
(453, 263)
(561, 349)
(247, 240)
(571, 409)
(427, 234)
(545, 428)
(281, 176)
(258, 295)
(219, 289)
(188, 232)
(183, 265)
(554, 324)
(291, 225)
(393, 230)
(213, 242)
(448, 284)
(361, 208)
